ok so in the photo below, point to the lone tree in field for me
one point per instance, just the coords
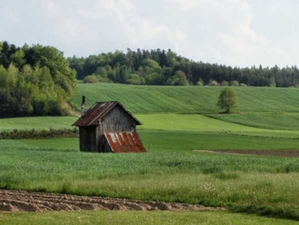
(227, 100)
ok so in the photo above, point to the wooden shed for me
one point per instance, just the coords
(108, 127)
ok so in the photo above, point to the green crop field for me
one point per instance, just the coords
(187, 132)
(37, 123)
(169, 172)
(226, 124)
(275, 121)
(138, 218)
(193, 99)
(176, 121)
(155, 140)
(214, 123)
(239, 183)
(269, 108)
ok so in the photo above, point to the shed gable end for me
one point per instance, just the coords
(119, 119)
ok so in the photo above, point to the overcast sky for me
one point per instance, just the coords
(232, 32)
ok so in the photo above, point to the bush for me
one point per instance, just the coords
(90, 79)
(200, 82)
(224, 83)
(178, 79)
(213, 83)
(234, 83)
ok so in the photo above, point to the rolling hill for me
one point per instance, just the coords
(190, 99)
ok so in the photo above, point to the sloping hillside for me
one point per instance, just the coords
(191, 99)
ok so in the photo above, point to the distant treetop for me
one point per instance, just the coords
(161, 67)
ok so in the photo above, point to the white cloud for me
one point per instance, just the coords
(216, 31)
(246, 46)
(226, 34)
(108, 25)
(191, 4)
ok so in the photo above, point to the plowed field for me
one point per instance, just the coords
(35, 201)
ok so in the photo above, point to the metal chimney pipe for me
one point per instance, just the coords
(83, 106)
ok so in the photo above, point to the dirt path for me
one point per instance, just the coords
(35, 201)
(71, 111)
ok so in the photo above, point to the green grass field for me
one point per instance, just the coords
(208, 124)
(176, 120)
(156, 141)
(274, 121)
(269, 108)
(37, 123)
(138, 218)
(221, 124)
(262, 185)
(192, 99)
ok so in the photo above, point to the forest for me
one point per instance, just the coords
(160, 67)
(34, 80)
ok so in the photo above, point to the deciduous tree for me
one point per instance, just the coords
(227, 100)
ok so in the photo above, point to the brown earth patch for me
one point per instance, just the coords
(71, 110)
(11, 201)
(281, 153)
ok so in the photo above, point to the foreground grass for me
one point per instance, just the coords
(144, 218)
(262, 185)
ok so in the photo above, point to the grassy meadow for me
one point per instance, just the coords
(188, 99)
(138, 218)
(38, 123)
(263, 185)
(176, 121)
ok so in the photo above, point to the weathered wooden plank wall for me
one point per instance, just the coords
(117, 120)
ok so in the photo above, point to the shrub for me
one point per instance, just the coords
(213, 83)
(90, 79)
(224, 83)
(234, 83)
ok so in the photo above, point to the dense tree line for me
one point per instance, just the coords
(34, 80)
(160, 67)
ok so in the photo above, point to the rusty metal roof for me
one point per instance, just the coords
(125, 142)
(97, 112)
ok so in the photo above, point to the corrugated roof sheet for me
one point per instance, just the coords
(125, 142)
(97, 112)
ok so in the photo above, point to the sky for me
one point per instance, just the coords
(240, 33)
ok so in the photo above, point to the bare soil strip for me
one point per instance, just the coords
(12, 201)
(282, 153)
